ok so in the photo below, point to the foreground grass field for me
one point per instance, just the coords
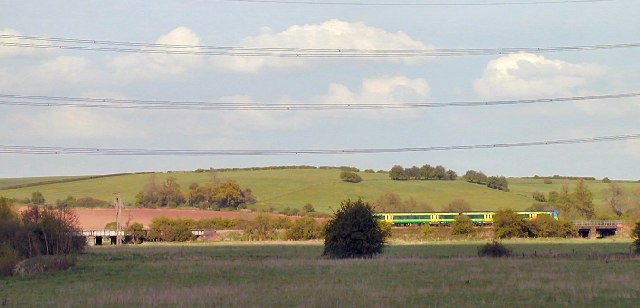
(583, 273)
(322, 188)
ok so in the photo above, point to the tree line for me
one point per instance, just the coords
(212, 196)
(37, 231)
(494, 182)
(426, 172)
(263, 227)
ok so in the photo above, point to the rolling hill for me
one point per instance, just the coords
(282, 188)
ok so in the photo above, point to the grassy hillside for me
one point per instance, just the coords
(320, 187)
(12, 182)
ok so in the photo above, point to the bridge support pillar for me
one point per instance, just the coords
(592, 232)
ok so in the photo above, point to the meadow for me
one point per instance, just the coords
(284, 274)
(322, 188)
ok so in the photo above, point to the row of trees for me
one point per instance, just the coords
(36, 231)
(494, 182)
(426, 172)
(571, 204)
(215, 195)
(263, 227)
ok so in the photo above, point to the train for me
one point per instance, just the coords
(446, 218)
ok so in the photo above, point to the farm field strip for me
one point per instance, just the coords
(294, 274)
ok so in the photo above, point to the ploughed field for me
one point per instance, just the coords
(543, 273)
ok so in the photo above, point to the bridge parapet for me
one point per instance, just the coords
(598, 223)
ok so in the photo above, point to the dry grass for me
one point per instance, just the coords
(279, 275)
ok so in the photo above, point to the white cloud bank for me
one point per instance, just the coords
(15, 51)
(385, 89)
(529, 75)
(331, 34)
(143, 66)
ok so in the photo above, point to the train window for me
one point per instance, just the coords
(476, 216)
(447, 216)
(524, 215)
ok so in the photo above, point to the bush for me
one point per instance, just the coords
(44, 264)
(135, 231)
(508, 223)
(302, 229)
(462, 225)
(261, 228)
(548, 181)
(9, 257)
(494, 249)
(353, 232)
(171, 230)
(426, 231)
(350, 177)
(635, 234)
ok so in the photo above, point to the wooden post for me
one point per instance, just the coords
(118, 217)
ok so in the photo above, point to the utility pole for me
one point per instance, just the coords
(118, 216)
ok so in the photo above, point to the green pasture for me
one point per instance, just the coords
(320, 187)
(543, 273)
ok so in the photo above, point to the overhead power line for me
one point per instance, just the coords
(112, 103)
(39, 42)
(414, 4)
(43, 150)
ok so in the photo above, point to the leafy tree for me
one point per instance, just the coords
(305, 228)
(397, 173)
(507, 224)
(462, 225)
(37, 198)
(457, 206)
(389, 202)
(475, 177)
(583, 200)
(546, 226)
(499, 183)
(606, 180)
(616, 199)
(308, 208)
(68, 202)
(350, 177)
(353, 232)
(261, 228)
(228, 194)
(135, 231)
(538, 196)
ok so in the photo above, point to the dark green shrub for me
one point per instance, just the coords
(44, 264)
(635, 234)
(494, 249)
(353, 232)
(135, 231)
(350, 177)
(9, 257)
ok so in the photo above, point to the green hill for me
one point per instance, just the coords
(320, 187)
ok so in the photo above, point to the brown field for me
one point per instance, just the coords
(97, 218)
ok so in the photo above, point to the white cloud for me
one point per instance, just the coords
(332, 34)
(159, 66)
(529, 75)
(68, 123)
(58, 73)
(15, 51)
(378, 90)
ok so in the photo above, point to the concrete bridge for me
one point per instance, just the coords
(98, 236)
(598, 228)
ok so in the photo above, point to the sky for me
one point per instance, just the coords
(469, 24)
